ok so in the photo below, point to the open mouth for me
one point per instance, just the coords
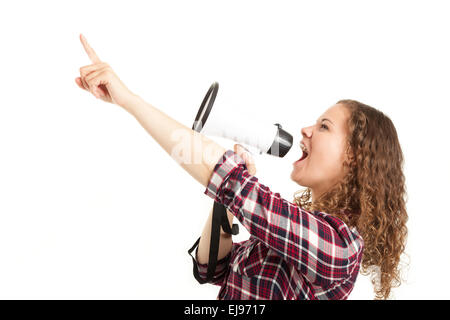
(304, 155)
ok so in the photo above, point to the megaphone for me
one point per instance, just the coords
(264, 137)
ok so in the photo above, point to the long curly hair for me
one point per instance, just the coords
(372, 196)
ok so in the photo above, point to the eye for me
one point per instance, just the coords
(324, 126)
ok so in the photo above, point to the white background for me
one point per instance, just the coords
(91, 207)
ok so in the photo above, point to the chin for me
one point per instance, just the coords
(297, 180)
(292, 176)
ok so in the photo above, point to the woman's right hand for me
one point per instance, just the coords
(100, 79)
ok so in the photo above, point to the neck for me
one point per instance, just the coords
(315, 194)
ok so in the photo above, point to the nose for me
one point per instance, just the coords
(307, 131)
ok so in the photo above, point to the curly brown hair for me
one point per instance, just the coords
(372, 196)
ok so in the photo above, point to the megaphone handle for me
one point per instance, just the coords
(219, 219)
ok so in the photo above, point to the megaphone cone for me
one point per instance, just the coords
(265, 137)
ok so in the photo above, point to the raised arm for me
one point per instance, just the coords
(196, 153)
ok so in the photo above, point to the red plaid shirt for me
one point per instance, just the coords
(291, 254)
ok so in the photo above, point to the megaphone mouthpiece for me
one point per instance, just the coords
(282, 142)
(265, 137)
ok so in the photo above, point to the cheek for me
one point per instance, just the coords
(323, 166)
(326, 164)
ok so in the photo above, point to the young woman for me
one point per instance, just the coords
(351, 217)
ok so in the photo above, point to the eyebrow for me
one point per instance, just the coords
(327, 120)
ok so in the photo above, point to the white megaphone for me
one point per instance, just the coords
(264, 137)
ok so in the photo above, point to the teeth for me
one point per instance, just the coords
(303, 147)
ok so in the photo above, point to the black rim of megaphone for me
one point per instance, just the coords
(200, 123)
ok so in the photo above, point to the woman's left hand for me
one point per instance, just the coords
(250, 163)
(99, 79)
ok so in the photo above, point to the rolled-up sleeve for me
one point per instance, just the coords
(322, 247)
(219, 274)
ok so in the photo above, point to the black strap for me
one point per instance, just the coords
(219, 218)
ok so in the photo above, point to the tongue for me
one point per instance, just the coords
(303, 156)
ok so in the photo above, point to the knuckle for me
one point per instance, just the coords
(107, 73)
(90, 75)
(85, 69)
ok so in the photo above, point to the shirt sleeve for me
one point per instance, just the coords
(222, 266)
(319, 245)
(219, 274)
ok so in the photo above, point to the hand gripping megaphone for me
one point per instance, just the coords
(264, 137)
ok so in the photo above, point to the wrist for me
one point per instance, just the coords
(129, 104)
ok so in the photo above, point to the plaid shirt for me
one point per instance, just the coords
(291, 254)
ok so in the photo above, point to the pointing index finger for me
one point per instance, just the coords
(90, 52)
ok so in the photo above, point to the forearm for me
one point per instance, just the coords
(225, 242)
(196, 153)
